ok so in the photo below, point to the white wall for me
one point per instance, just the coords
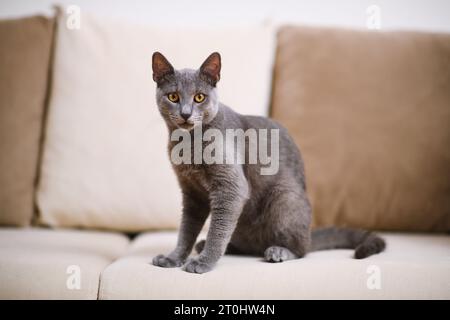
(430, 15)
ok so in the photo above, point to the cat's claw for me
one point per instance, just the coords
(194, 265)
(166, 262)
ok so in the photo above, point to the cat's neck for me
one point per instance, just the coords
(218, 120)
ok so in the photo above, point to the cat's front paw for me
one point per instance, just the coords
(166, 262)
(194, 265)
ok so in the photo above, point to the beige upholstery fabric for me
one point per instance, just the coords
(34, 263)
(105, 159)
(370, 112)
(24, 61)
(413, 266)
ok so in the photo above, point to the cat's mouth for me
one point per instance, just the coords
(189, 123)
(181, 123)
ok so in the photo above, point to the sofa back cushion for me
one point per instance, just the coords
(105, 162)
(25, 46)
(371, 113)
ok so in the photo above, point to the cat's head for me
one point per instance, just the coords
(186, 97)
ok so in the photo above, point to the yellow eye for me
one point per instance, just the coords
(199, 97)
(173, 97)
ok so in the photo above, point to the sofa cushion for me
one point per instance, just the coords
(25, 46)
(370, 112)
(105, 162)
(44, 264)
(414, 266)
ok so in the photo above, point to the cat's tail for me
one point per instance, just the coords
(364, 242)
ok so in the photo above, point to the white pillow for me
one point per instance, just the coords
(105, 162)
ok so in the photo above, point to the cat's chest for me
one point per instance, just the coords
(193, 176)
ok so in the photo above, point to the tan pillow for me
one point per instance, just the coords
(24, 61)
(105, 162)
(371, 113)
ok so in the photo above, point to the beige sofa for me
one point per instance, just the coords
(87, 197)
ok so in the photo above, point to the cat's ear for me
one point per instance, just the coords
(161, 67)
(211, 68)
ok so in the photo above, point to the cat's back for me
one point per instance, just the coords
(243, 121)
(286, 142)
(291, 165)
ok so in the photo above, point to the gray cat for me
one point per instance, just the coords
(251, 214)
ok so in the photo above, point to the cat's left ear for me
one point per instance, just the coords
(211, 68)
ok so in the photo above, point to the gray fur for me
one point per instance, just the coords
(252, 214)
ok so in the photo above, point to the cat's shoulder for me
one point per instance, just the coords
(252, 121)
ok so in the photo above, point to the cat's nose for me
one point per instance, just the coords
(186, 111)
(185, 116)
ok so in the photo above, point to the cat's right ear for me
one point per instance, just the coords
(161, 67)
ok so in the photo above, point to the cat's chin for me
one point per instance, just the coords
(186, 126)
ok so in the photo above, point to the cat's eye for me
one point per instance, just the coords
(173, 97)
(199, 97)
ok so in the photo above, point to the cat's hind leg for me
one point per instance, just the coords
(230, 248)
(285, 230)
(199, 246)
(278, 254)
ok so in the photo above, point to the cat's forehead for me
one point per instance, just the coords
(186, 77)
(187, 80)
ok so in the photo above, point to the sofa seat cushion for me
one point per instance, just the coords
(45, 264)
(413, 266)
